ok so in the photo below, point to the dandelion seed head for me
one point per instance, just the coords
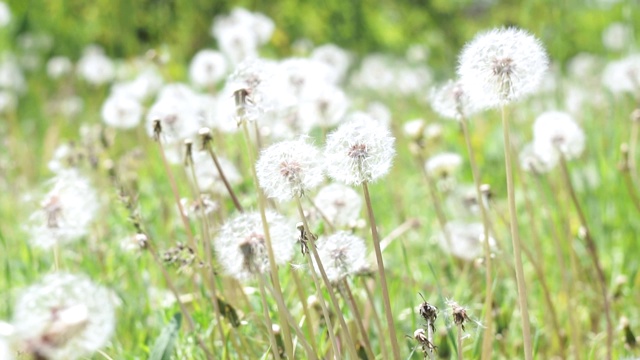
(65, 316)
(443, 165)
(288, 169)
(121, 112)
(623, 76)
(336, 58)
(339, 203)
(207, 68)
(342, 254)
(359, 150)
(241, 246)
(451, 101)
(466, 240)
(95, 67)
(59, 66)
(531, 162)
(555, 133)
(501, 66)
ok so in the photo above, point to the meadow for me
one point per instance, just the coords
(441, 180)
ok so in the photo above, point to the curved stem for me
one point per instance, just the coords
(515, 238)
(234, 198)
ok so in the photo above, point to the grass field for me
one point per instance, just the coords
(125, 195)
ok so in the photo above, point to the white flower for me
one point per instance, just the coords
(59, 66)
(336, 58)
(342, 254)
(207, 68)
(208, 175)
(66, 211)
(289, 169)
(121, 112)
(359, 150)
(501, 66)
(241, 247)
(451, 101)
(340, 204)
(64, 317)
(555, 133)
(95, 67)
(443, 165)
(466, 240)
(623, 75)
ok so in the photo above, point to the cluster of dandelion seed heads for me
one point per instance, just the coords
(359, 150)
(555, 133)
(501, 66)
(342, 254)
(64, 317)
(241, 244)
(65, 212)
(289, 169)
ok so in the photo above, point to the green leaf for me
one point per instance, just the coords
(163, 348)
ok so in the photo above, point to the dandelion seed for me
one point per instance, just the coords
(340, 204)
(288, 169)
(240, 245)
(342, 254)
(359, 150)
(66, 211)
(64, 317)
(555, 133)
(501, 66)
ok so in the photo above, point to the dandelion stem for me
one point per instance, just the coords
(435, 199)
(272, 262)
(593, 252)
(267, 319)
(234, 198)
(323, 274)
(376, 319)
(459, 341)
(487, 340)
(305, 308)
(430, 327)
(381, 274)
(348, 296)
(627, 177)
(56, 256)
(515, 238)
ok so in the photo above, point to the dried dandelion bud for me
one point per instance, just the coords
(241, 246)
(342, 254)
(359, 150)
(555, 133)
(288, 169)
(501, 66)
(340, 204)
(458, 313)
(64, 317)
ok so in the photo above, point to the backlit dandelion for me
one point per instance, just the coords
(64, 317)
(342, 254)
(501, 66)
(340, 204)
(358, 151)
(556, 133)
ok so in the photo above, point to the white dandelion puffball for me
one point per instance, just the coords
(531, 162)
(121, 112)
(622, 75)
(443, 165)
(465, 240)
(501, 66)
(95, 67)
(59, 66)
(65, 213)
(288, 169)
(359, 150)
(342, 254)
(64, 317)
(555, 133)
(451, 101)
(207, 68)
(339, 203)
(241, 247)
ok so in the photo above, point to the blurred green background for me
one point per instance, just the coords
(127, 28)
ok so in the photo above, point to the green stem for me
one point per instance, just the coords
(267, 319)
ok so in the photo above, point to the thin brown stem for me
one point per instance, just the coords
(487, 341)
(305, 308)
(593, 253)
(207, 142)
(459, 336)
(345, 289)
(435, 199)
(515, 238)
(323, 274)
(381, 274)
(376, 319)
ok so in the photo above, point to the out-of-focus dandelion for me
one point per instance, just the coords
(95, 67)
(65, 212)
(501, 66)
(342, 254)
(466, 240)
(121, 112)
(288, 169)
(59, 66)
(359, 150)
(340, 204)
(207, 68)
(64, 317)
(443, 165)
(555, 133)
(335, 57)
(5, 14)
(451, 101)
(240, 245)
(623, 76)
